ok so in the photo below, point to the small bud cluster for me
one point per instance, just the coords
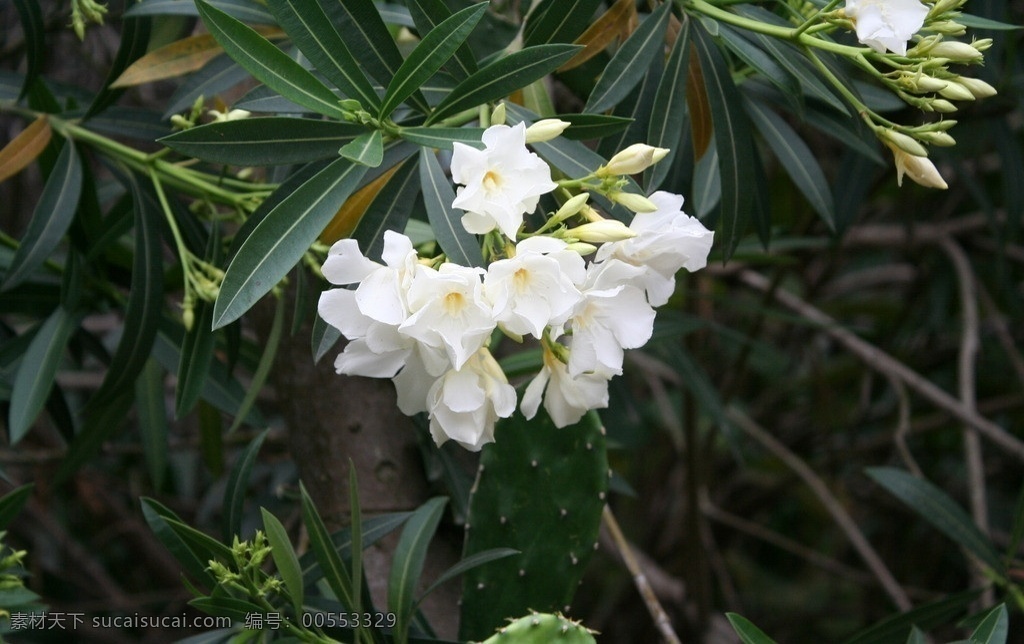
(427, 323)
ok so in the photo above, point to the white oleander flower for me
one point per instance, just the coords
(566, 399)
(464, 404)
(535, 288)
(886, 24)
(613, 315)
(500, 183)
(448, 311)
(918, 168)
(666, 241)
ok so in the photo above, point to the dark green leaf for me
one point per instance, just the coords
(152, 410)
(374, 529)
(52, 216)
(38, 371)
(459, 245)
(327, 556)
(102, 423)
(259, 376)
(34, 30)
(938, 509)
(742, 44)
(409, 557)
(558, 21)
(916, 636)
(442, 137)
(130, 122)
(428, 14)
(196, 356)
(269, 64)
(285, 559)
(630, 62)
(135, 34)
(470, 562)
(669, 113)
(156, 516)
(211, 437)
(733, 142)
(238, 483)
(323, 338)
(994, 627)
(389, 210)
(244, 10)
(12, 503)
(366, 149)
(237, 610)
(925, 617)
(282, 237)
(748, 633)
(798, 160)
(433, 51)
(205, 546)
(311, 30)
(264, 141)
(216, 76)
(502, 77)
(585, 127)
(977, 22)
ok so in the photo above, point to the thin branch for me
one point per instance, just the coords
(884, 363)
(838, 512)
(998, 322)
(903, 427)
(661, 620)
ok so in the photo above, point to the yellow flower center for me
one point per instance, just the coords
(492, 181)
(454, 302)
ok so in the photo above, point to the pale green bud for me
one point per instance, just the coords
(350, 105)
(942, 126)
(545, 130)
(942, 106)
(572, 206)
(947, 28)
(940, 139)
(179, 122)
(608, 230)
(927, 83)
(633, 201)
(498, 117)
(942, 6)
(957, 92)
(634, 159)
(582, 248)
(956, 51)
(908, 144)
(977, 87)
(982, 44)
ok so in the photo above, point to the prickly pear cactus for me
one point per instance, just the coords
(540, 490)
(542, 628)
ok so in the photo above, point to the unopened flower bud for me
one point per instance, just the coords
(572, 206)
(350, 105)
(942, 126)
(956, 51)
(545, 130)
(982, 44)
(947, 28)
(941, 106)
(927, 83)
(634, 159)
(919, 168)
(942, 6)
(957, 92)
(498, 118)
(179, 122)
(908, 144)
(609, 230)
(633, 201)
(582, 248)
(940, 139)
(590, 214)
(232, 115)
(977, 87)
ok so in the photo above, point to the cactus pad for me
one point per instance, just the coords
(541, 628)
(540, 490)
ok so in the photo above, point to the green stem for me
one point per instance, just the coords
(814, 17)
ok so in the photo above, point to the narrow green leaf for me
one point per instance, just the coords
(285, 559)
(356, 530)
(366, 149)
(749, 52)
(323, 338)
(916, 636)
(1017, 530)
(669, 113)
(733, 142)
(156, 516)
(135, 33)
(244, 10)
(585, 127)
(925, 617)
(433, 51)
(152, 410)
(52, 216)
(259, 376)
(441, 138)
(211, 437)
(977, 22)
(748, 633)
(409, 557)
(34, 29)
(272, 140)
(458, 244)
(196, 356)
(237, 610)
(215, 77)
(101, 423)
(238, 483)
(502, 77)
(145, 299)
(994, 628)
(327, 556)
(38, 371)
(796, 157)
(12, 503)
(311, 30)
(427, 15)
(269, 64)
(470, 562)
(389, 210)
(282, 237)
(205, 546)
(558, 21)
(938, 509)
(374, 529)
(630, 62)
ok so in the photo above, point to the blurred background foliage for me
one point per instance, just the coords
(739, 437)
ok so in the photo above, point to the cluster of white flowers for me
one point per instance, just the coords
(426, 323)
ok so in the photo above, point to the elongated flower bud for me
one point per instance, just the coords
(498, 118)
(959, 52)
(908, 144)
(609, 230)
(636, 158)
(545, 130)
(919, 168)
(977, 87)
(572, 206)
(633, 201)
(956, 91)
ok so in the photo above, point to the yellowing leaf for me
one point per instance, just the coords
(619, 20)
(24, 148)
(348, 216)
(700, 111)
(178, 58)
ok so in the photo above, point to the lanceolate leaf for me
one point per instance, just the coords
(259, 377)
(34, 30)
(433, 51)
(428, 14)
(502, 77)
(52, 217)
(630, 62)
(586, 127)
(38, 371)
(748, 633)
(312, 31)
(170, 61)
(443, 137)
(237, 486)
(732, 140)
(214, 78)
(250, 11)
(269, 64)
(796, 158)
(12, 503)
(24, 148)
(928, 616)
(994, 628)
(459, 245)
(366, 149)
(152, 411)
(938, 509)
(409, 557)
(157, 516)
(101, 423)
(280, 240)
(134, 42)
(285, 559)
(264, 141)
(390, 209)
(196, 356)
(555, 21)
(669, 112)
(334, 569)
